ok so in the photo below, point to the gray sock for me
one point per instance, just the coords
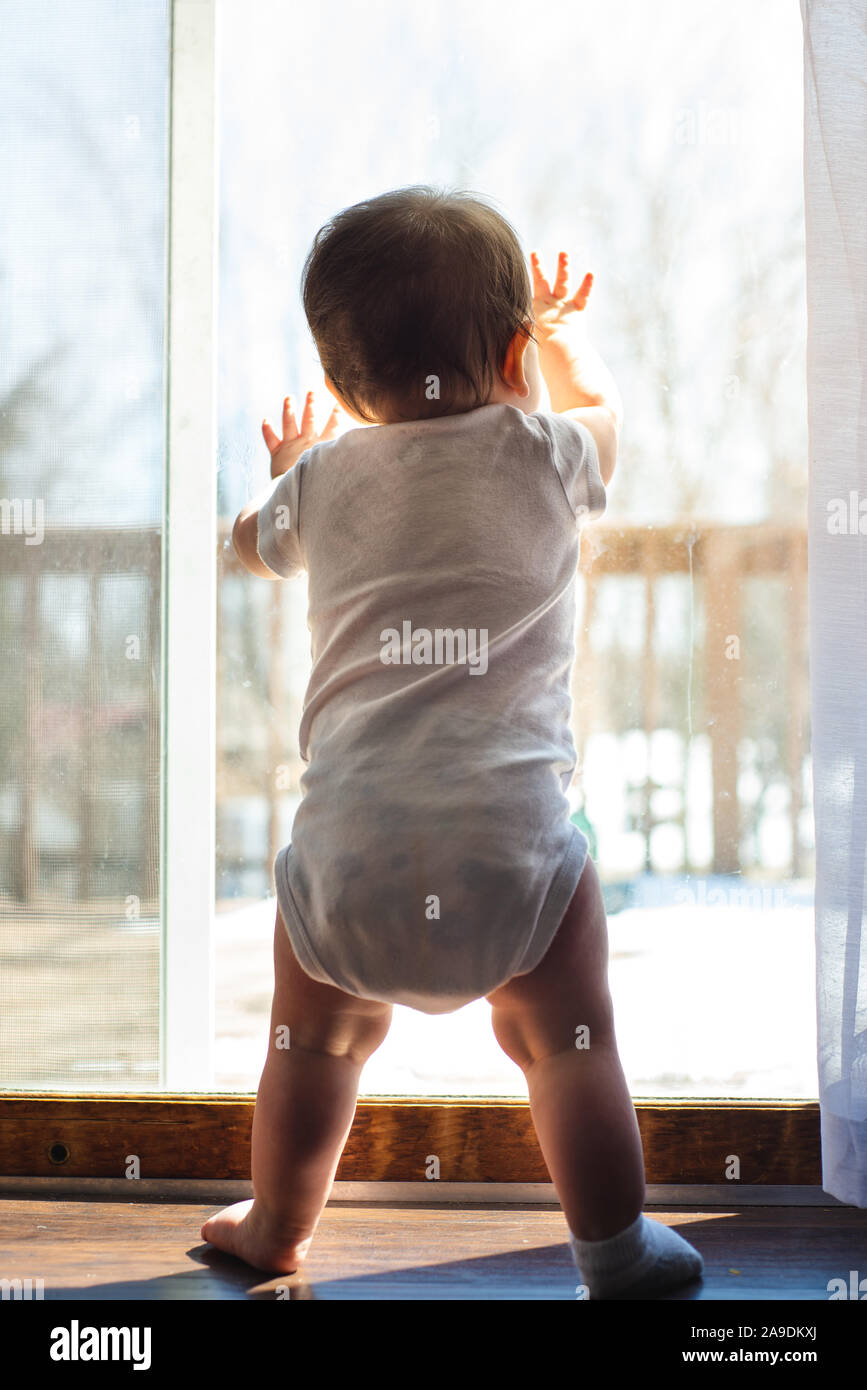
(646, 1258)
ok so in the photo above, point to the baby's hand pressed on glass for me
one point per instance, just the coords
(578, 381)
(287, 451)
(553, 306)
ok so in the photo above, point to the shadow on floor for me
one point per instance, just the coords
(755, 1254)
(542, 1274)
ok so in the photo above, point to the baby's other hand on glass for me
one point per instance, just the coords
(296, 439)
(554, 307)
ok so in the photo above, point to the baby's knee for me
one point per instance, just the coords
(353, 1034)
(530, 1033)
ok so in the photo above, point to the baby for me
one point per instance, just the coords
(433, 859)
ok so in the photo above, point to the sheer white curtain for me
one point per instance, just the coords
(835, 171)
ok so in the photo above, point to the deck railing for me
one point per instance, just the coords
(717, 563)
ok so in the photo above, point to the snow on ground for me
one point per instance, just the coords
(714, 995)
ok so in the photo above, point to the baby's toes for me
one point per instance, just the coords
(223, 1230)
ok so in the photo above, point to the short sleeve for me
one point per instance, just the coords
(279, 540)
(576, 459)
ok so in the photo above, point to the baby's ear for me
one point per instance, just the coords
(512, 370)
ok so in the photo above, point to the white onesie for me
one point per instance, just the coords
(432, 855)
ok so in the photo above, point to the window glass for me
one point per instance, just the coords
(660, 144)
(82, 289)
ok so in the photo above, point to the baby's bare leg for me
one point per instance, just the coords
(304, 1111)
(581, 1107)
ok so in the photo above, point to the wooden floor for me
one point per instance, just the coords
(109, 1248)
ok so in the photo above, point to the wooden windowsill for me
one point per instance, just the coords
(489, 1139)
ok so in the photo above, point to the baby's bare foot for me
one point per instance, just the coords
(243, 1231)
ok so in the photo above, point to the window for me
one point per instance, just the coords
(82, 278)
(667, 144)
(136, 948)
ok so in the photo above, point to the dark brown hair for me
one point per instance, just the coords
(417, 283)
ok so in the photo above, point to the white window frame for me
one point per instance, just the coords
(189, 565)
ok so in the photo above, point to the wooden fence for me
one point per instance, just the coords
(717, 560)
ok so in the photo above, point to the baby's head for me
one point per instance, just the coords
(420, 304)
